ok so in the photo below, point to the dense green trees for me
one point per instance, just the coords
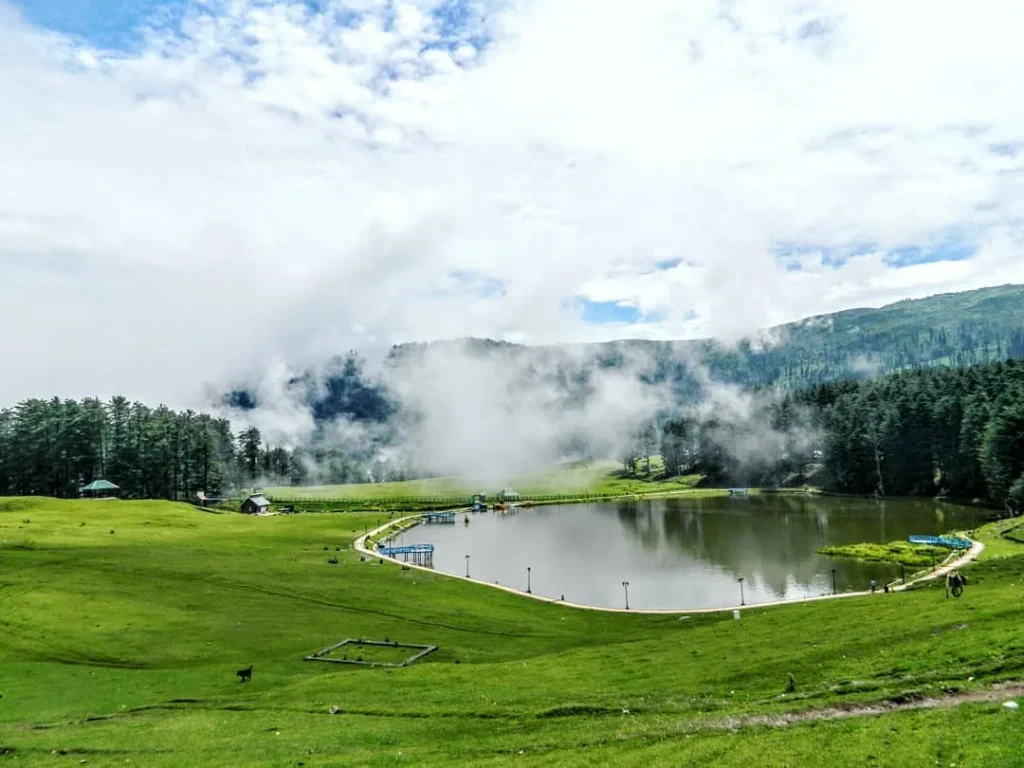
(54, 447)
(952, 431)
(1002, 448)
(675, 447)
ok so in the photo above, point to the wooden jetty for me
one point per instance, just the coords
(950, 542)
(421, 554)
(438, 517)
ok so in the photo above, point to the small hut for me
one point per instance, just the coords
(100, 489)
(256, 504)
(509, 495)
(207, 501)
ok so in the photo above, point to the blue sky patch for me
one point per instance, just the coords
(789, 255)
(610, 312)
(601, 312)
(458, 22)
(112, 24)
(118, 24)
(950, 248)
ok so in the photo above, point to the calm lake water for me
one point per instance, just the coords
(684, 554)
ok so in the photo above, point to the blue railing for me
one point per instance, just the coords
(950, 542)
(409, 549)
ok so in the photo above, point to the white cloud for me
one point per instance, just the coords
(266, 181)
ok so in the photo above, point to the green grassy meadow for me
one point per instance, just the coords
(602, 478)
(915, 555)
(122, 624)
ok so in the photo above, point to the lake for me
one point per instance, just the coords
(684, 554)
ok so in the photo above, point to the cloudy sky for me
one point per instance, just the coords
(193, 189)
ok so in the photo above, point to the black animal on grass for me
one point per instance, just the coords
(955, 583)
(245, 675)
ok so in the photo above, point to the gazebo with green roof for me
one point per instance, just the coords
(99, 489)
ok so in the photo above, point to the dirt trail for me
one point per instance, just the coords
(998, 693)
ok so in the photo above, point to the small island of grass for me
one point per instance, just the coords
(900, 552)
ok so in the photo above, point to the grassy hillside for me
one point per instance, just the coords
(123, 624)
(599, 478)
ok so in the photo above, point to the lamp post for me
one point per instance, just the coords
(833, 581)
(625, 586)
(528, 580)
(742, 600)
(467, 566)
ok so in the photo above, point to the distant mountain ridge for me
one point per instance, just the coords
(954, 329)
(957, 329)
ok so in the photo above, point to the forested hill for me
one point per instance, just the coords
(958, 329)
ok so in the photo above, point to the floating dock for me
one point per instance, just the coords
(950, 542)
(421, 554)
(737, 491)
(438, 517)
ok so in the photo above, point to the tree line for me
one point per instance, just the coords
(933, 431)
(55, 447)
(957, 432)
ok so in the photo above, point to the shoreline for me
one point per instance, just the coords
(697, 493)
(455, 506)
(359, 544)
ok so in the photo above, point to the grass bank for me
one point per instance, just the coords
(123, 624)
(570, 482)
(900, 552)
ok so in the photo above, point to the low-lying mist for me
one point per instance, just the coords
(487, 413)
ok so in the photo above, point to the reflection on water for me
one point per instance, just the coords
(684, 554)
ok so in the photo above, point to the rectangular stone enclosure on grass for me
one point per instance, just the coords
(379, 648)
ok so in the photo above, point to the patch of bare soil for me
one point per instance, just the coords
(1000, 692)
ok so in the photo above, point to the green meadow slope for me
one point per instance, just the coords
(122, 625)
(598, 478)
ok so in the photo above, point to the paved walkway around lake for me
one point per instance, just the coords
(942, 570)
